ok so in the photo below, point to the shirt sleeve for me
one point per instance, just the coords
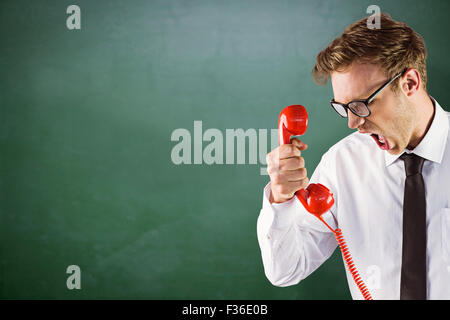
(293, 242)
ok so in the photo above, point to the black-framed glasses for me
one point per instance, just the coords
(360, 107)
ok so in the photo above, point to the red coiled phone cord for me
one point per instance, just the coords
(349, 261)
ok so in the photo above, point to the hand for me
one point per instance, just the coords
(286, 168)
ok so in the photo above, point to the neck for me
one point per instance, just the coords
(424, 117)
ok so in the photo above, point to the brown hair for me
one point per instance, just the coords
(394, 47)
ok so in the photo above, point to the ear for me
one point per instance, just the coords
(410, 82)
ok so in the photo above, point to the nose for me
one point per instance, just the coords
(354, 121)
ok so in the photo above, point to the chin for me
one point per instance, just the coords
(396, 150)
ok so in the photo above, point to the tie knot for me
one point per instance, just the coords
(413, 163)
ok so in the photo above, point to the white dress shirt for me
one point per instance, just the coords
(368, 187)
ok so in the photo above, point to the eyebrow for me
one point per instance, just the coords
(363, 96)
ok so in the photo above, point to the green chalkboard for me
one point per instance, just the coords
(90, 117)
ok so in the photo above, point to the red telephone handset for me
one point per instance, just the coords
(316, 198)
(293, 121)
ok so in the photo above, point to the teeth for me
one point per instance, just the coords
(381, 139)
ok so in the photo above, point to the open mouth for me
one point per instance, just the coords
(381, 141)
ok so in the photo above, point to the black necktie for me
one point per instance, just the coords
(413, 282)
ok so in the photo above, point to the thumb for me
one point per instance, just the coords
(299, 144)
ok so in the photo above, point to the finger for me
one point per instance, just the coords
(297, 185)
(288, 189)
(288, 150)
(299, 144)
(292, 175)
(292, 163)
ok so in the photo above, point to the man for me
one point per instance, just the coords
(390, 178)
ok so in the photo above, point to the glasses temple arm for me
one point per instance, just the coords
(383, 86)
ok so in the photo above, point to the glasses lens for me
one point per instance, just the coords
(359, 108)
(339, 109)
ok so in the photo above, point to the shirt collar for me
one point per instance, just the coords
(432, 146)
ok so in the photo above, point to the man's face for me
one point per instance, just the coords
(391, 122)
